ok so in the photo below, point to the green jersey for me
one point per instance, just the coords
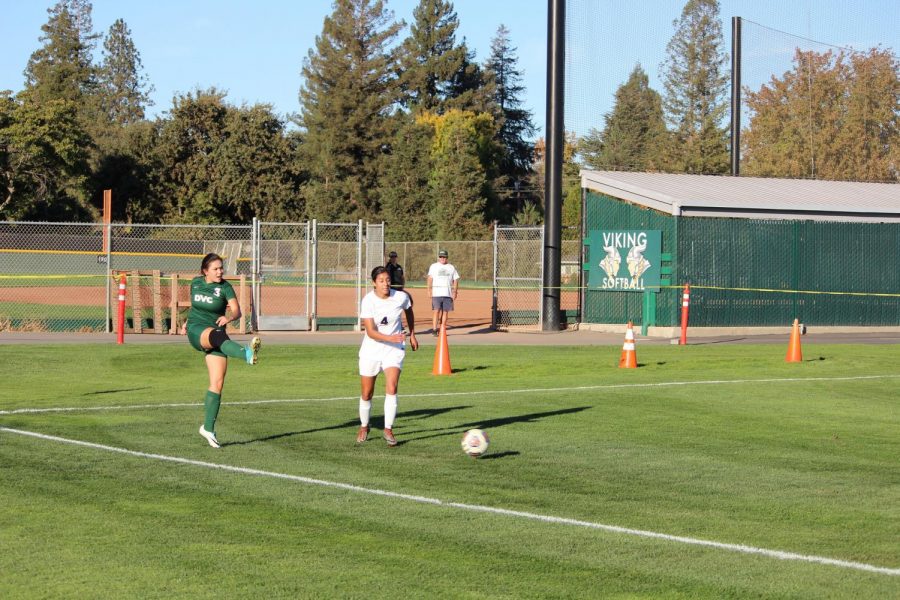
(208, 301)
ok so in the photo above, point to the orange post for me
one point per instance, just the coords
(685, 304)
(628, 359)
(794, 354)
(442, 355)
(107, 216)
(120, 320)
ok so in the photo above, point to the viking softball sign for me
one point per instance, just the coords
(624, 261)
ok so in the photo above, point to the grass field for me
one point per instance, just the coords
(730, 473)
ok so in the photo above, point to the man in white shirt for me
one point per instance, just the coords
(443, 284)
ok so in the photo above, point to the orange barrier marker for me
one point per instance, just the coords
(685, 303)
(794, 354)
(120, 317)
(442, 355)
(629, 357)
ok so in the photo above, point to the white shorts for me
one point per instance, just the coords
(371, 365)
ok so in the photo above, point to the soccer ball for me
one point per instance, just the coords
(475, 442)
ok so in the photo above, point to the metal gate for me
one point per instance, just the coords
(518, 276)
(311, 275)
(283, 277)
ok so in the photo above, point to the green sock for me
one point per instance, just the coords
(232, 349)
(211, 404)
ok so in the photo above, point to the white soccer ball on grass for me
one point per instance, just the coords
(475, 442)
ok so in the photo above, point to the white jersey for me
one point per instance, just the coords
(388, 316)
(442, 278)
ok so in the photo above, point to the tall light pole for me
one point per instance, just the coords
(556, 54)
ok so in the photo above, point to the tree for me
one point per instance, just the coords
(42, 160)
(62, 67)
(458, 184)
(219, 163)
(55, 111)
(571, 183)
(129, 166)
(696, 84)
(833, 116)
(256, 174)
(405, 201)
(430, 57)
(516, 126)
(346, 100)
(472, 89)
(124, 91)
(634, 134)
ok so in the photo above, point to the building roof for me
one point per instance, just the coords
(750, 197)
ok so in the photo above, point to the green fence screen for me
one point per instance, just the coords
(751, 272)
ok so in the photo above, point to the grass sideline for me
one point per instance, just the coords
(769, 461)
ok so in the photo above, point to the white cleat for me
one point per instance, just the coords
(252, 349)
(210, 437)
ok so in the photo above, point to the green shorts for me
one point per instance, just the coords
(194, 333)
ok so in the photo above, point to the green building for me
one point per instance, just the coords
(756, 252)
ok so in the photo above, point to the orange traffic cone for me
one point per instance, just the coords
(794, 354)
(442, 355)
(629, 358)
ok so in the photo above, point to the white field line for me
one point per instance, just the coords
(19, 411)
(778, 554)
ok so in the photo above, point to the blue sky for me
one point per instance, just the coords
(254, 50)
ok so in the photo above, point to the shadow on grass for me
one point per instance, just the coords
(490, 456)
(464, 369)
(376, 423)
(98, 392)
(490, 424)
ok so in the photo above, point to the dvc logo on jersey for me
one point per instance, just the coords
(203, 298)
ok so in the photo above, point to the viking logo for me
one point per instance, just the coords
(637, 264)
(611, 262)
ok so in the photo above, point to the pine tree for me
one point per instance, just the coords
(405, 201)
(62, 67)
(516, 126)
(430, 57)
(124, 91)
(634, 133)
(472, 88)
(696, 84)
(346, 101)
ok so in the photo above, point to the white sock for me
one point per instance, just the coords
(365, 406)
(390, 411)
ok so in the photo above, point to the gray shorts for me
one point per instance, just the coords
(444, 303)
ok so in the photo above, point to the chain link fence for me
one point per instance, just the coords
(161, 260)
(338, 260)
(288, 276)
(53, 277)
(518, 278)
(283, 286)
(474, 261)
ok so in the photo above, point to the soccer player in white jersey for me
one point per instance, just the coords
(383, 348)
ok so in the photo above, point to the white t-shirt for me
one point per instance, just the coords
(442, 277)
(388, 316)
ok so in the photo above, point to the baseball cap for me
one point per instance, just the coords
(442, 253)
(392, 254)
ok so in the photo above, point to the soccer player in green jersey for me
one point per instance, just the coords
(213, 306)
